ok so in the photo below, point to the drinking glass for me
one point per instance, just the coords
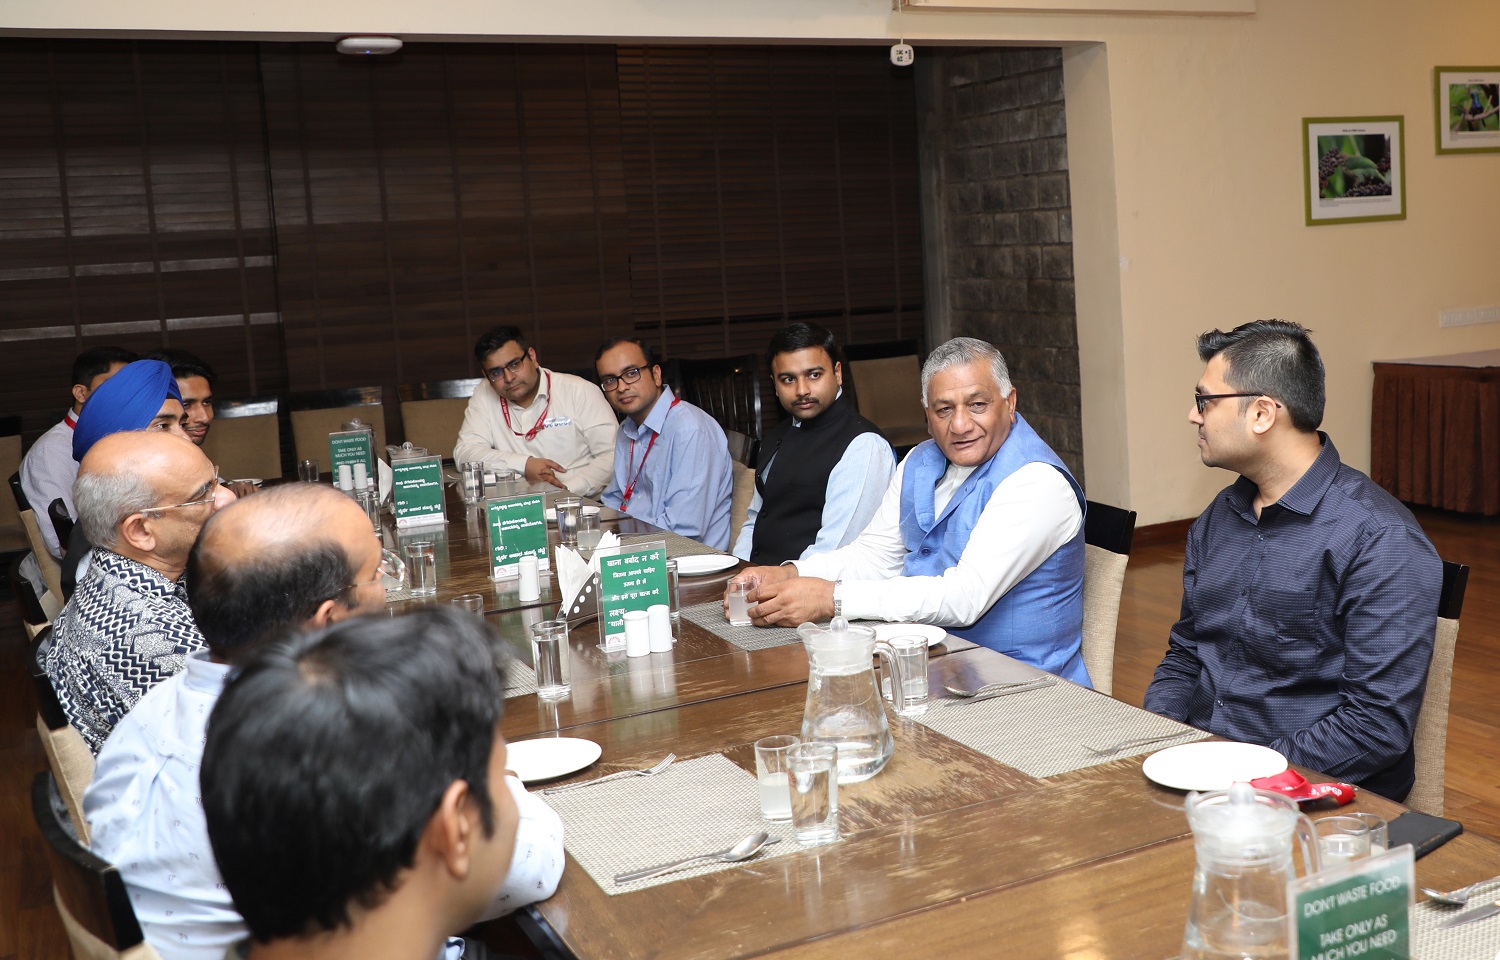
(550, 658)
(814, 786)
(911, 655)
(770, 773)
(506, 482)
(472, 602)
(307, 471)
(739, 601)
(471, 477)
(588, 528)
(370, 505)
(422, 562)
(1380, 831)
(567, 520)
(672, 604)
(1342, 840)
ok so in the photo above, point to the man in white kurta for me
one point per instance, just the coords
(553, 428)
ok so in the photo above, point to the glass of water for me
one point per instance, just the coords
(739, 601)
(1380, 831)
(813, 782)
(472, 602)
(471, 478)
(770, 773)
(672, 585)
(549, 657)
(421, 560)
(911, 658)
(568, 509)
(588, 528)
(307, 471)
(1341, 840)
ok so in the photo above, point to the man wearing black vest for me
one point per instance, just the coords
(834, 465)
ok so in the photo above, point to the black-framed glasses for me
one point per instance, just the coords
(629, 375)
(1201, 399)
(209, 498)
(506, 370)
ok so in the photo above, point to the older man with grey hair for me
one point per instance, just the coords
(142, 497)
(980, 531)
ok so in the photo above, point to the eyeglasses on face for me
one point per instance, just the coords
(506, 370)
(213, 488)
(628, 375)
(1201, 399)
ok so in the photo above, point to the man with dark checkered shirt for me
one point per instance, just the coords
(1309, 593)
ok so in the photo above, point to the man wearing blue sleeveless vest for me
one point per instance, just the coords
(980, 531)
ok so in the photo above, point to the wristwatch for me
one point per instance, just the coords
(838, 602)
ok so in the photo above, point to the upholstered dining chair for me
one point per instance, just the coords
(12, 533)
(433, 412)
(245, 439)
(1107, 535)
(51, 572)
(739, 499)
(317, 414)
(89, 892)
(62, 523)
(67, 754)
(727, 389)
(1431, 744)
(886, 381)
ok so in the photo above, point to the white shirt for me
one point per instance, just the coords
(145, 815)
(1031, 513)
(47, 472)
(579, 431)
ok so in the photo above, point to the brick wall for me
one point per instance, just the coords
(997, 167)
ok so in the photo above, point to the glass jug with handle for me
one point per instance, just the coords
(1243, 839)
(844, 706)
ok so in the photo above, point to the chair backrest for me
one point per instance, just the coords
(62, 523)
(315, 415)
(12, 533)
(728, 389)
(433, 412)
(89, 892)
(886, 379)
(245, 439)
(51, 572)
(1431, 741)
(27, 597)
(743, 448)
(67, 754)
(1107, 535)
(739, 500)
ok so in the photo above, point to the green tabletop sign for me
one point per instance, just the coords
(417, 490)
(518, 528)
(631, 577)
(1355, 910)
(351, 447)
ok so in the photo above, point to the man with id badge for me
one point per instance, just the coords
(551, 427)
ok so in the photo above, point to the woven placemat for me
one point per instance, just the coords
(1480, 939)
(519, 679)
(1044, 732)
(692, 807)
(677, 544)
(710, 616)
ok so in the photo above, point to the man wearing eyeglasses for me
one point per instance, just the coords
(1309, 594)
(142, 497)
(553, 428)
(672, 464)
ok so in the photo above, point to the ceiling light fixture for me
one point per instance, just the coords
(368, 46)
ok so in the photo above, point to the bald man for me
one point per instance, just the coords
(142, 497)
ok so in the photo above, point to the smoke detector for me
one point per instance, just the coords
(368, 46)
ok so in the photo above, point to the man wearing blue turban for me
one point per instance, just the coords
(142, 396)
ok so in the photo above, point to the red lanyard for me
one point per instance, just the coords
(630, 487)
(541, 422)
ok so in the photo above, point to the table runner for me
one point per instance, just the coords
(677, 544)
(1480, 939)
(694, 806)
(710, 616)
(1043, 732)
(519, 679)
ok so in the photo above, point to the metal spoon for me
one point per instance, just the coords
(743, 850)
(1457, 897)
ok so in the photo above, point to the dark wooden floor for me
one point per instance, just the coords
(29, 927)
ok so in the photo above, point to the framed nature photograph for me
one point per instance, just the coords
(1467, 109)
(1354, 169)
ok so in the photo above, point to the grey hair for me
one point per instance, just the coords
(962, 350)
(104, 500)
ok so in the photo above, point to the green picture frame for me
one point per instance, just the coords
(1466, 109)
(1353, 169)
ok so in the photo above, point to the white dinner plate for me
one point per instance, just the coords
(548, 758)
(934, 635)
(699, 565)
(1212, 766)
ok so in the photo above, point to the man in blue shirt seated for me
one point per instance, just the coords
(353, 787)
(836, 464)
(671, 459)
(1309, 594)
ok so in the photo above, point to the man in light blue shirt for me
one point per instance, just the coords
(672, 466)
(838, 463)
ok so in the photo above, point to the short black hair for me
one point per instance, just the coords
(493, 339)
(328, 754)
(1273, 358)
(249, 596)
(184, 364)
(91, 363)
(801, 336)
(608, 345)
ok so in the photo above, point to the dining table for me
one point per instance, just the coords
(1001, 827)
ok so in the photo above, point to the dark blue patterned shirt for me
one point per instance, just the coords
(1308, 629)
